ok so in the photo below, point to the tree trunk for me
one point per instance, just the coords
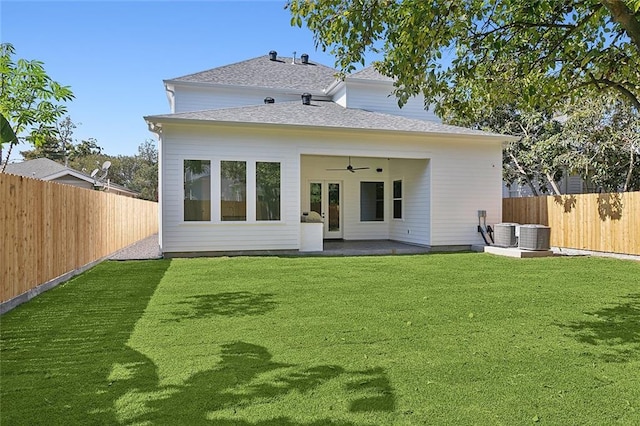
(534, 191)
(630, 171)
(626, 18)
(553, 184)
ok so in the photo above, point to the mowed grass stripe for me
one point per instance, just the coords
(436, 339)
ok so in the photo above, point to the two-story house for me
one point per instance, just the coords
(249, 147)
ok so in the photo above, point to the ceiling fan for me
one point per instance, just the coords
(350, 168)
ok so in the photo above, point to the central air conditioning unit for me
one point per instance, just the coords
(505, 234)
(534, 237)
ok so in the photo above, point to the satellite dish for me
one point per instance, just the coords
(94, 172)
(106, 165)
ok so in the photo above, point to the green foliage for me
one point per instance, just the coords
(383, 340)
(601, 141)
(533, 159)
(471, 57)
(136, 172)
(7, 135)
(29, 98)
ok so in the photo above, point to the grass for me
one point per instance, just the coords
(435, 339)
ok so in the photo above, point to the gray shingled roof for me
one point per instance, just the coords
(39, 168)
(318, 114)
(370, 73)
(263, 72)
(42, 168)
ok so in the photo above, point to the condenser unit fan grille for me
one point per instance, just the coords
(505, 234)
(534, 237)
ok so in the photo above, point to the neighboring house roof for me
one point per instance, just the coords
(263, 72)
(46, 169)
(318, 114)
(369, 73)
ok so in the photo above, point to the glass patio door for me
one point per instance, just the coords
(325, 199)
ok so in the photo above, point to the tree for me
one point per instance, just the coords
(136, 172)
(471, 57)
(532, 160)
(29, 100)
(601, 142)
(58, 146)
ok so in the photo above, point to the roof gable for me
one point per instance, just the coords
(264, 72)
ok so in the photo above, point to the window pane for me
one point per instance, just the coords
(397, 209)
(397, 199)
(267, 191)
(371, 201)
(315, 194)
(334, 206)
(397, 189)
(233, 190)
(197, 190)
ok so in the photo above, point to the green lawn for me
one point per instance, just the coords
(432, 339)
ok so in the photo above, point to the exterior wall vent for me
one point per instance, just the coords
(505, 234)
(304, 58)
(273, 55)
(269, 100)
(306, 99)
(534, 237)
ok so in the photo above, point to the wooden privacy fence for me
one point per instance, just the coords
(49, 229)
(598, 222)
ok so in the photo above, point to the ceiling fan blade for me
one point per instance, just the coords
(336, 170)
(360, 168)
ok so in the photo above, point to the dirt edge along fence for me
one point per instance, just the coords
(608, 222)
(49, 229)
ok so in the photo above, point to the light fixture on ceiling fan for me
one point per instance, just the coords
(350, 168)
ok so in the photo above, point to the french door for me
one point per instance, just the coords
(325, 198)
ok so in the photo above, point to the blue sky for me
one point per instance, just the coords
(115, 54)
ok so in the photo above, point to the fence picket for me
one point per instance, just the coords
(49, 229)
(598, 222)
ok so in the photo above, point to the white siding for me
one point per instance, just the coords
(180, 143)
(204, 98)
(446, 180)
(466, 177)
(379, 97)
(341, 96)
(414, 226)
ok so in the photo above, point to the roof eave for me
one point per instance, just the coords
(154, 121)
(202, 84)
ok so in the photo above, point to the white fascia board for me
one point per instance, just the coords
(243, 88)
(333, 88)
(489, 138)
(367, 81)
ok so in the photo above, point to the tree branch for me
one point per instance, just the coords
(626, 18)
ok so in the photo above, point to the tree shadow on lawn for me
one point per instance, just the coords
(66, 359)
(58, 349)
(231, 304)
(246, 377)
(617, 328)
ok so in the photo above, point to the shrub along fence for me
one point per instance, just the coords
(599, 222)
(49, 230)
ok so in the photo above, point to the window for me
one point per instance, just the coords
(397, 199)
(197, 190)
(233, 190)
(371, 201)
(267, 191)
